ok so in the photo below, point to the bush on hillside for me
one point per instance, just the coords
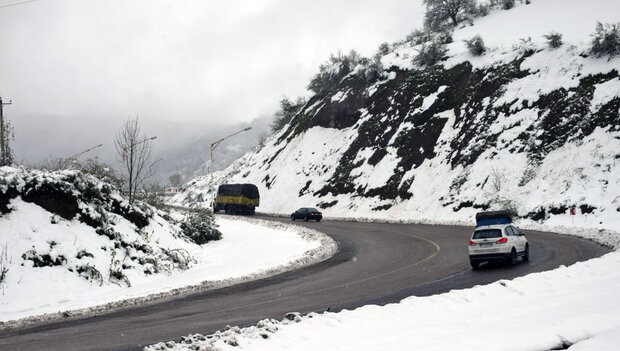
(525, 47)
(554, 39)
(332, 72)
(606, 39)
(418, 37)
(288, 110)
(475, 45)
(373, 70)
(153, 194)
(200, 227)
(430, 53)
(384, 49)
(508, 4)
(101, 171)
(481, 10)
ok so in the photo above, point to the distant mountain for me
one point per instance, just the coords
(523, 126)
(191, 158)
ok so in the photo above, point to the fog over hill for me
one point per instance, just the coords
(181, 146)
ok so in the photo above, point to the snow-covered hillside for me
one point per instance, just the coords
(72, 246)
(524, 126)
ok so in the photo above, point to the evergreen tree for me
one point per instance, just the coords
(288, 110)
(606, 39)
(475, 45)
(554, 39)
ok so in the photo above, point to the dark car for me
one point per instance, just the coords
(307, 213)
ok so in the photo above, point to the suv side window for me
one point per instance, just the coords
(510, 231)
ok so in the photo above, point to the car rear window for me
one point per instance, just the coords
(487, 233)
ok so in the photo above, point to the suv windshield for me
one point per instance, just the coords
(487, 234)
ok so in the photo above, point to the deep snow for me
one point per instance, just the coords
(250, 249)
(576, 305)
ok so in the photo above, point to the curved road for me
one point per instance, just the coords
(376, 263)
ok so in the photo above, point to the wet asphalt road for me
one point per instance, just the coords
(377, 263)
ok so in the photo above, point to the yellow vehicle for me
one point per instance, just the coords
(236, 199)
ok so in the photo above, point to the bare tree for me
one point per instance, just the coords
(439, 11)
(134, 153)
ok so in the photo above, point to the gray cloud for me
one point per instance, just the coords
(76, 70)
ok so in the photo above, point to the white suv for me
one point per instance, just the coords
(498, 242)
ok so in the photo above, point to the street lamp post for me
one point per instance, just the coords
(217, 143)
(214, 145)
(143, 141)
(75, 157)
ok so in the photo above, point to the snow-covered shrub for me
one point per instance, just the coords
(430, 53)
(525, 47)
(117, 275)
(554, 39)
(508, 4)
(480, 10)
(331, 72)
(89, 273)
(373, 70)
(384, 49)
(108, 232)
(153, 195)
(83, 253)
(200, 227)
(101, 171)
(606, 39)
(418, 36)
(43, 260)
(475, 45)
(180, 258)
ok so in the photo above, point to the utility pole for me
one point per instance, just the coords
(4, 136)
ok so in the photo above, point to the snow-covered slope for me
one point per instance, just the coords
(524, 126)
(544, 311)
(71, 246)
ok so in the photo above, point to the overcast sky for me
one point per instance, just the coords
(80, 68)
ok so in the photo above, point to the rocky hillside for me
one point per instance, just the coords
(523, 126)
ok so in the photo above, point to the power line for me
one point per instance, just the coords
(18, 3)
